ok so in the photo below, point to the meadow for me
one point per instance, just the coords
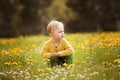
(96, 57)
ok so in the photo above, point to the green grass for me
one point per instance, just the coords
(97, 57)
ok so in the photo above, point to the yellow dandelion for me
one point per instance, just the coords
(117, 61)
(30, 61)
(94, 53)
(3, 51)
(106, 63)
(47, 60)
(15, 63)
(40, 70)
(64, 64)
(33, 46)
(48, 69)
(71, 65)
(19, 66)
(87, 49)
(7, 63)
(31, 51)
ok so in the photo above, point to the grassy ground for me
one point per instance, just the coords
(97, 57)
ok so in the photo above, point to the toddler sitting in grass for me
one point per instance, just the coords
(57, 48)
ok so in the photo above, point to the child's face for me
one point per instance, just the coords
(58, 33)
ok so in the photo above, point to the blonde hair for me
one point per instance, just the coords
(53, 25)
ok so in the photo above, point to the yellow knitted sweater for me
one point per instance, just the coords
(64, 48)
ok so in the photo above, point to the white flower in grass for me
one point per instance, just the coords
(65, 72)
(64, 78)
(56, 76)
(47, 77)
(2, 74)
(87, 78)
(26, 75)
(59, 72)
(78, 66)
(88, 69)
(62, 69)
(6, 53)
(80, 76)
(14, 77)
(15, 73)
(52, 78)
(52, 73)
(38, 79)
(21, 71)
(35, 76)
(57, 69)
(72, 75)
(94, 73)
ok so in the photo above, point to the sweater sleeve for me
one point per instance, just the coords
(45, 51)
(68, 49)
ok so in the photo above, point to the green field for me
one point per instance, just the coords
(96, 57)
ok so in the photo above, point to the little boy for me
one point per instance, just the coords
(57, 49)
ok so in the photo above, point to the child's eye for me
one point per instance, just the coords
(61, 31)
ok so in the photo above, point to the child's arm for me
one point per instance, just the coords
(55, 54)
(68, 49)
(45, 52)
(50, 55)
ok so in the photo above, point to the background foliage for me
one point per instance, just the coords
(19, 17)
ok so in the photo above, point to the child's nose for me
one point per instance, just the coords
(62, 33)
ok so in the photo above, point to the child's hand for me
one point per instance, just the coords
(58, 54)
(55, 54)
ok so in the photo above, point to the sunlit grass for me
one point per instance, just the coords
(97, 57)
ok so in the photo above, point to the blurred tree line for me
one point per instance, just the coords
(96, 14)
(23, 17)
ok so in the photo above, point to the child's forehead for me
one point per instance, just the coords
(59, 27)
